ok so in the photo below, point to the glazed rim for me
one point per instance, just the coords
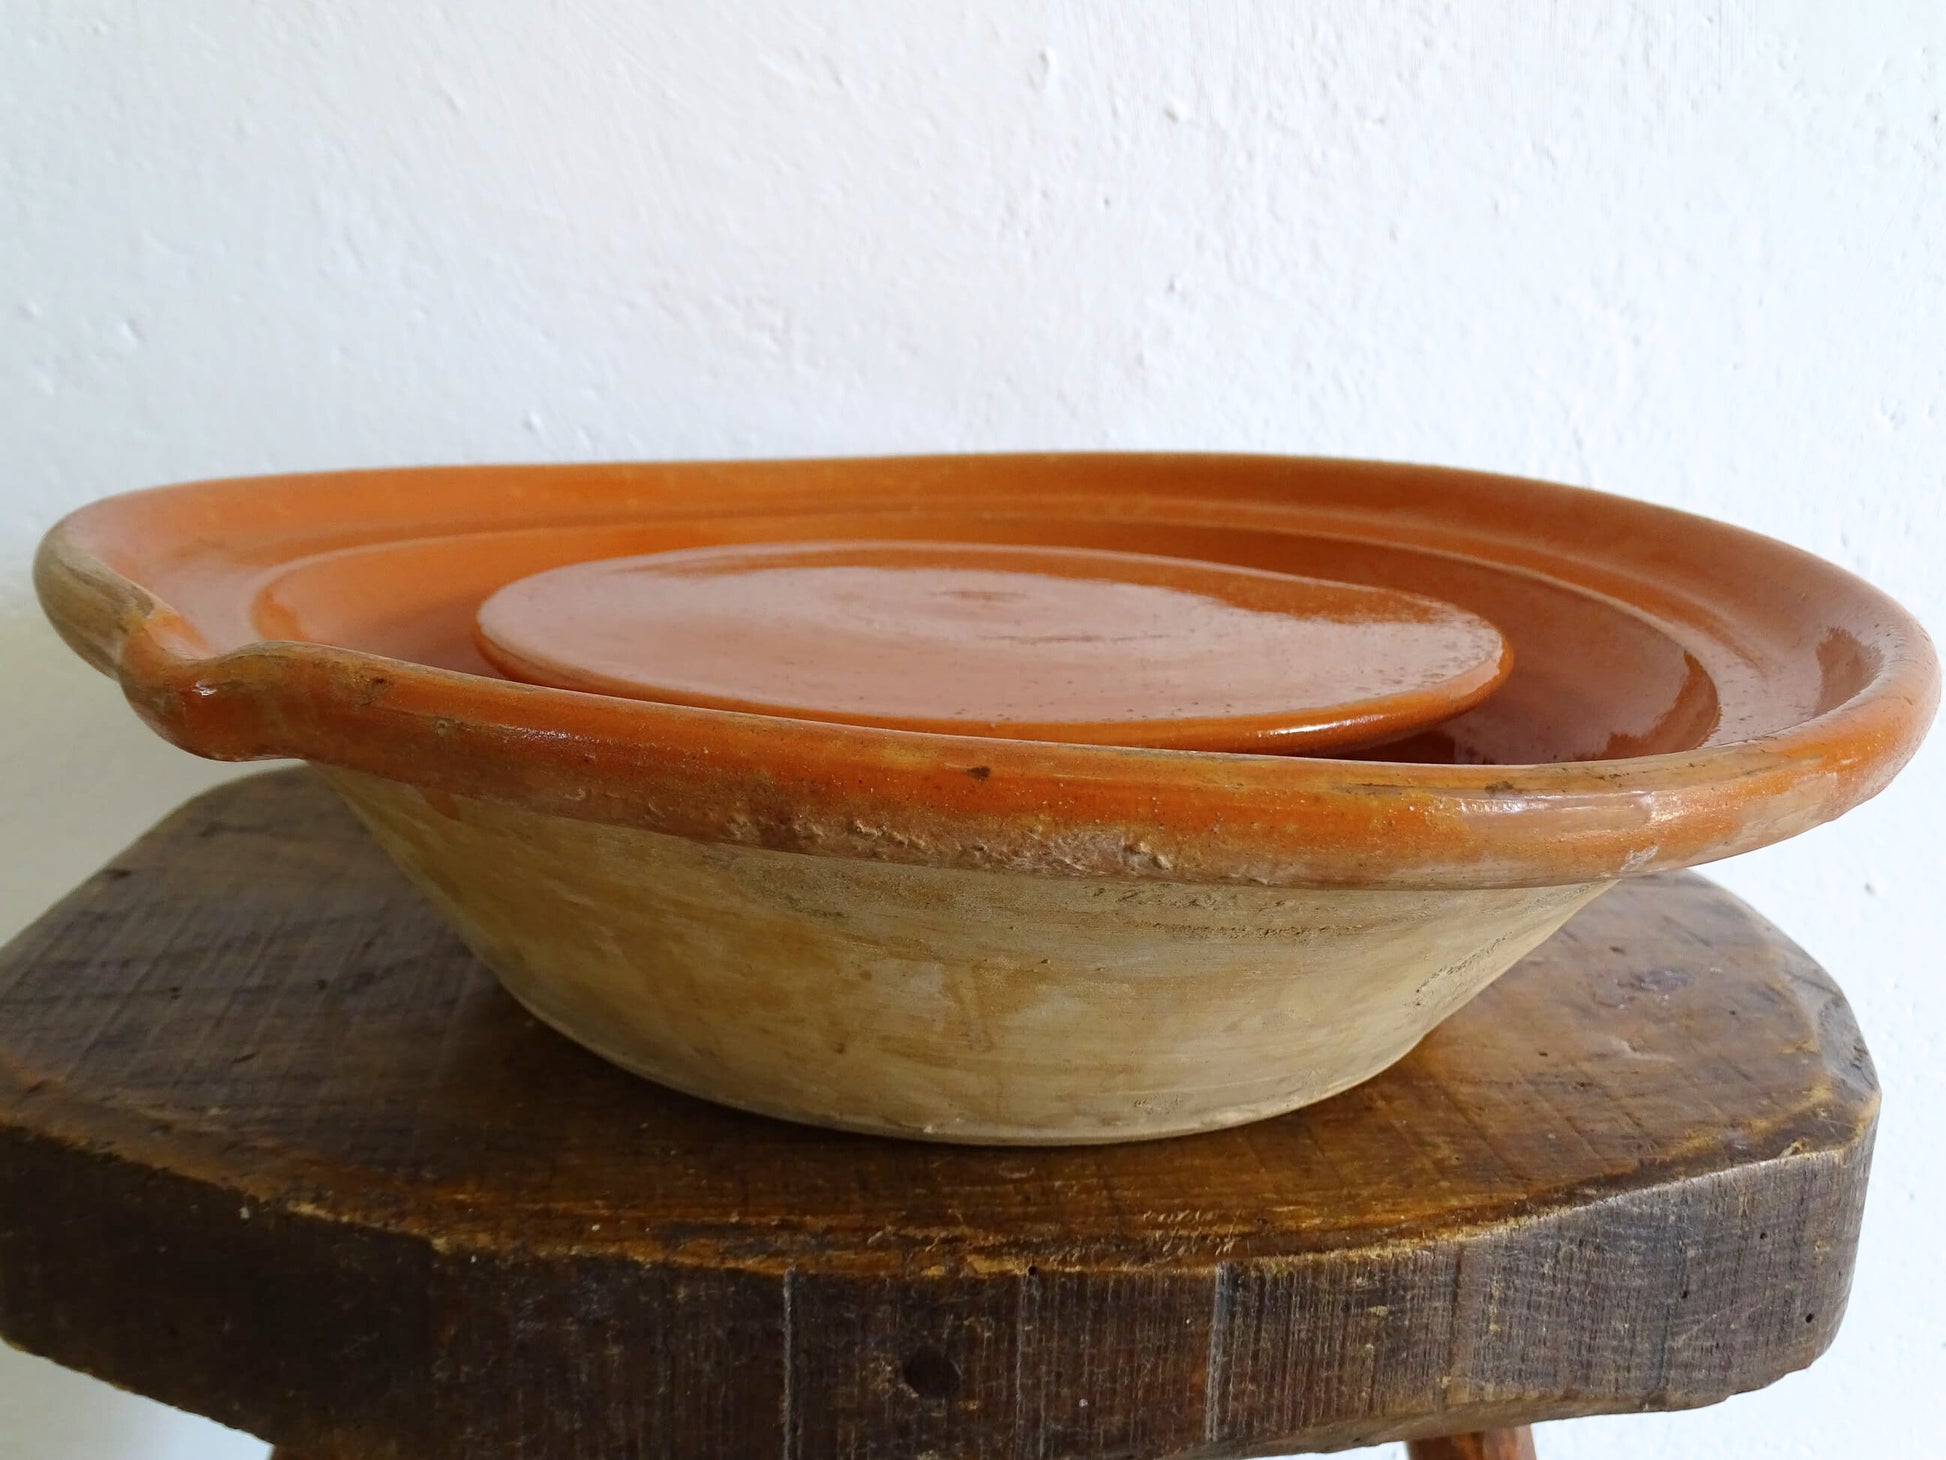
(158, 588)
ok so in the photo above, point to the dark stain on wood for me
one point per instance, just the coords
(413, 1224)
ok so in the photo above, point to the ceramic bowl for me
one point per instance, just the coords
(992, 939)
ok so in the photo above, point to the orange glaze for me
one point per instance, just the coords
(1682, 689)
(1062, 644)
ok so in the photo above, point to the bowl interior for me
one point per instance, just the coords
(1593, 678)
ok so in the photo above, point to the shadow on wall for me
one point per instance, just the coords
(80, 778)
(48, 1413)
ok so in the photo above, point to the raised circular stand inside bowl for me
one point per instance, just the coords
(991, 937)
(1063, 644)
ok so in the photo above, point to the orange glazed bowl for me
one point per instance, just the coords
(986, 938)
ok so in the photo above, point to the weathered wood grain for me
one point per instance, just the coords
(274, 1149)
(1514, 1444)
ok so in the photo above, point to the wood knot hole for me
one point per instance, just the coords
(929, 1374)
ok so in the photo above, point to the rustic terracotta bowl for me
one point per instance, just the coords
(992, 939)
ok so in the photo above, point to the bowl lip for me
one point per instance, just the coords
(967, 802)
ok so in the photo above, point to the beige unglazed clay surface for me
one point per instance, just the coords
(952, 1005)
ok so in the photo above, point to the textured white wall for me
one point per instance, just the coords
(1692, 250)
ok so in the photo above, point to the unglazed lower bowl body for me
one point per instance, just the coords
(949, 1004)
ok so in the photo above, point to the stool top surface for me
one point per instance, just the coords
(248, 1037)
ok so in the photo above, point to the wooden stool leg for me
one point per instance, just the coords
(1514, 1444)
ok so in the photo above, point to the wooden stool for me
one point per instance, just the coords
(273, 1148)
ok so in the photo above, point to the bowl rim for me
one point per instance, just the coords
(979, 803)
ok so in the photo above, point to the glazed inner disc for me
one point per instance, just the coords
(1034, 643)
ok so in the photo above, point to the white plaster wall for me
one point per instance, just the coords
(1692, 250)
